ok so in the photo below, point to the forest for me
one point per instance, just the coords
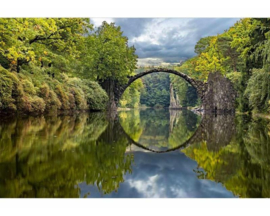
(49, 64)
(52, 64)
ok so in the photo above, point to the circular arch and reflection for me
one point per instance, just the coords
(198, 85)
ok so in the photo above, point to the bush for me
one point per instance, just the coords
(50, 98)
(96, 97)
(9, 90)
(37, 92)
(37, 104)
(258, 90)
(63, 96)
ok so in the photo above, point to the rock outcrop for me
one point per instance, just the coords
(174, 102)
(219, 95)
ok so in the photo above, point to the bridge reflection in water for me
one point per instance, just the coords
(89, 155)
(216, 130)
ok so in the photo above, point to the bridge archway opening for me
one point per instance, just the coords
(192, 88)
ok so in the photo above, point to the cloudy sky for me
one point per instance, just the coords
(162, 176)
(167, 40)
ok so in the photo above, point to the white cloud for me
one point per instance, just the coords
(148, 188)
(98, 21)
(156, 31)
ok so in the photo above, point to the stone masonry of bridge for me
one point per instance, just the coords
(217, 94)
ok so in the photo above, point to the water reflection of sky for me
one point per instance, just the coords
(162, 175)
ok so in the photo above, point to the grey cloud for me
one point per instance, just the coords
(132, 27)
(172, 47)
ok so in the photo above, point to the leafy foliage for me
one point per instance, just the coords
(107, 54)
(132, 95)
(258, 90)
(187, 94)
(242, 54)
(41, 41)
(18, 92)
(38, 58)
(156, 90)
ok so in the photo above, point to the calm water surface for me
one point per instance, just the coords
(146, 153)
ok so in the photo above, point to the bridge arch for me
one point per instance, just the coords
(198, 85)
(196, 136)
(218, 98)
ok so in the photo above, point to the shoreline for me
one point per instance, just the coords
(7, 114)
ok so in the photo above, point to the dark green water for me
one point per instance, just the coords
(147, 153)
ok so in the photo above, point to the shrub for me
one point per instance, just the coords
(37, 92)
(50, 98)
(28, 87)
(96, 97)
(9, 90)
(63, 97)
(37, 105)
(80, 100)
(258, 90)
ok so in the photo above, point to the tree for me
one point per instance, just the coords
(250, 37)
(107, 54)
(132, 95)
(232, 61)
(258, 90)
(202, 44)
(37, 57)
(210, 60)
(187, 94)
(41, 41)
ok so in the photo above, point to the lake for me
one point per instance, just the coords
(140, 153)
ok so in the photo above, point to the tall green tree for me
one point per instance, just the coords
(107, 54)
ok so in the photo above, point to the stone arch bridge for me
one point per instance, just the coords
(217, 94)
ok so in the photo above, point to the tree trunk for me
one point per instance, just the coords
(109, 86)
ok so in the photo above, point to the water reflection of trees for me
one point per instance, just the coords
(48, 157)
(183, 126)
(159, 128)
(242, 164)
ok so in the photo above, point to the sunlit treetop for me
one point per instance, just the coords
(39, 40)
(107, 54)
